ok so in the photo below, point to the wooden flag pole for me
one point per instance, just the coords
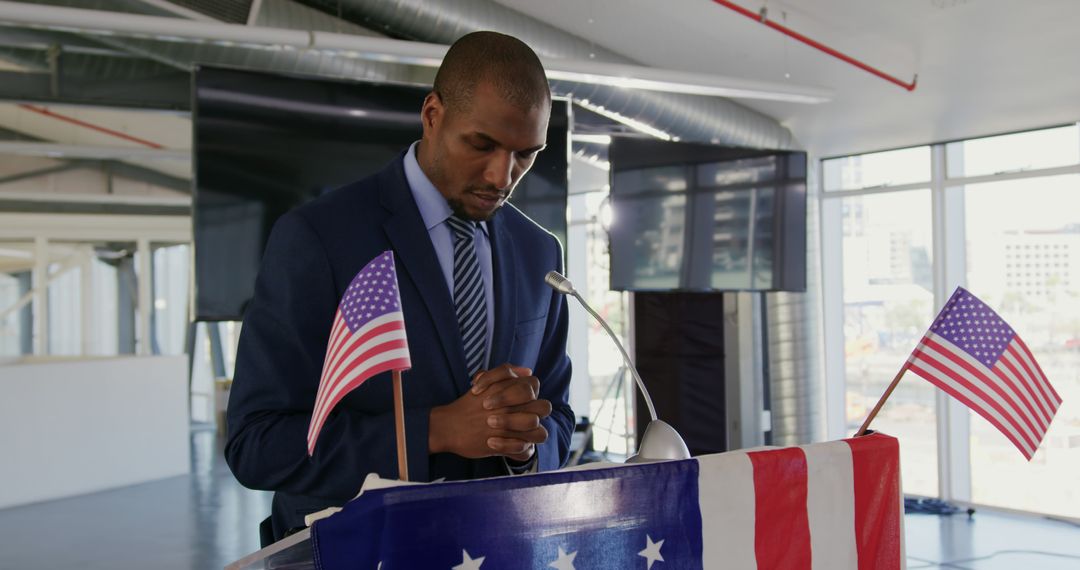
(399, 420)
(885, 396)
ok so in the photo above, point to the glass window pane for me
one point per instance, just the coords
(1024, 261)
(1015, 152)
(10, 325)
(171, 267)
(105, 309)
(65, 297)
(888, 303)
(889, 168)
(16, 265)
(65, 310)
(611, 405)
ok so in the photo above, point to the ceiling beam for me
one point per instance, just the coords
(171, 91)
(95, 157)
(148, 176)
(74, 165)
(92, 152)
(75, 227)
(67, 207)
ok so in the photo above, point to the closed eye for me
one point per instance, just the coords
(530, 152)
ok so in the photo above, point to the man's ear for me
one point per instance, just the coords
(432, 112)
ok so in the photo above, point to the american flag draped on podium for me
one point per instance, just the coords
(822, 506)
(367, 337)
(975, 357)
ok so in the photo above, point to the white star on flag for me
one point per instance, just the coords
(565, 561)
(652, 551)
(469, 563)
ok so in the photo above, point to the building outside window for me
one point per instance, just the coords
(1023, 245)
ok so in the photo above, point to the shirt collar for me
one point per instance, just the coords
(433, 207)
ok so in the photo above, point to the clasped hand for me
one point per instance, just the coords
(499, 415)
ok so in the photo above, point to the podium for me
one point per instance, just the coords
(832, 505)
(292, 553)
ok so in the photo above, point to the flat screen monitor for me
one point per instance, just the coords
(265, 143)
(698, 217)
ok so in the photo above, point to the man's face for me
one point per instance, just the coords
(476, 155)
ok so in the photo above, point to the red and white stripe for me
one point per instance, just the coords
(825, 506)
(1014, 395)
(353, 357)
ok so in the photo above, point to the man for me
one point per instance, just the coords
(487, 394)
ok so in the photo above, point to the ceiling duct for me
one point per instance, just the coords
(183, 55)
(231, 11)
(292, 15)
(687, 117)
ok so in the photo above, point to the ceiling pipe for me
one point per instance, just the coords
(147, 59)
(389, 50)
(762, 17)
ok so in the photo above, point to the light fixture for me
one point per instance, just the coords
(591, 139)
(635, 124)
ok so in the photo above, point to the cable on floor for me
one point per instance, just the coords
(933, 507)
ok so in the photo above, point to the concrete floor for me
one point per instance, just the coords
(202, 520)
(206, 520)
(991, 541)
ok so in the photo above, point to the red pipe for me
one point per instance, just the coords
(91, 126)
(760, 17)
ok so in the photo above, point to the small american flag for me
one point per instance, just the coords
(367, 337)
(974, 356)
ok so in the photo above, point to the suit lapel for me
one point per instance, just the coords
(505, 285)
(415, 254)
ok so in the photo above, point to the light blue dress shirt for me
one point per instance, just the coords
(434, 210)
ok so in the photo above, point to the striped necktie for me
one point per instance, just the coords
(469, 301)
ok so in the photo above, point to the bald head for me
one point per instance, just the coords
(502, 61)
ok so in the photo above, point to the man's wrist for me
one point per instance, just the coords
(521, 467)
(436, 435)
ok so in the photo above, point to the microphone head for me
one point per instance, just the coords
(558, 282)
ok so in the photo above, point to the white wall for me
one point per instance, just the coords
(79, 426)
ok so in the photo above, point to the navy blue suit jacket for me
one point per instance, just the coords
(312, 255)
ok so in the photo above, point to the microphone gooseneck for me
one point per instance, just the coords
(560, 283)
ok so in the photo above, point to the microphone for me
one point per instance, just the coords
(660, 441)
(560, 283)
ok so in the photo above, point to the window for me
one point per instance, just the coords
(611, 404)
(1007, 217)
(891, 168)
(888, 301)
(1014, 152)
(1048, 319)
(171, 267)
(65, 313)
(15, 312)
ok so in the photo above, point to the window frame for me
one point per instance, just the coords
(949, 265)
